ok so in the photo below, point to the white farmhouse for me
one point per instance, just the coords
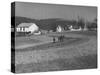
(28, 27)
(59, 29)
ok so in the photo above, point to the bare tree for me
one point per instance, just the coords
(81, 22)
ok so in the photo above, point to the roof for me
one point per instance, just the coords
(26, 24)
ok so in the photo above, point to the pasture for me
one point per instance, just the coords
(39, 53)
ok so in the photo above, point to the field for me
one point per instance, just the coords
(39, 53)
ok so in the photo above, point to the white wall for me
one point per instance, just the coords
(24, 29)
(33, 28)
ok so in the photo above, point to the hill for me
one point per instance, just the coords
(45, 24)
(19, 20)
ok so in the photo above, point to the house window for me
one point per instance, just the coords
(23, 29)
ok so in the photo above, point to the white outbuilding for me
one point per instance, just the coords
(28, 27)
(73, 29)
(59, 29)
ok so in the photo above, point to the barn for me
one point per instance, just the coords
(31, 28)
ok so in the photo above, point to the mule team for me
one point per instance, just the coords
(60, 38)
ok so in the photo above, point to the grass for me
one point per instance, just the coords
(73, 53)
(25, 41)
(83, 62)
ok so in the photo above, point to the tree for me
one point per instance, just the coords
(81, 22)
(95, 20)
(93, 25)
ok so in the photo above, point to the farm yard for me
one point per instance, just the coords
(50, 37)
(78, 50)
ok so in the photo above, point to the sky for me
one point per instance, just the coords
(45, 11)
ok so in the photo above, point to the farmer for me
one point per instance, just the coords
(59, 38)
(54, 40)
(62, 37)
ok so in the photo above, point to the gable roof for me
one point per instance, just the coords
(25, 24)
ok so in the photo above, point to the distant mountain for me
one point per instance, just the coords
(51, 24)
(19, 20)
(45, 24)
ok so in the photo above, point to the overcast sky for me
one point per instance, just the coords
(44, 11)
